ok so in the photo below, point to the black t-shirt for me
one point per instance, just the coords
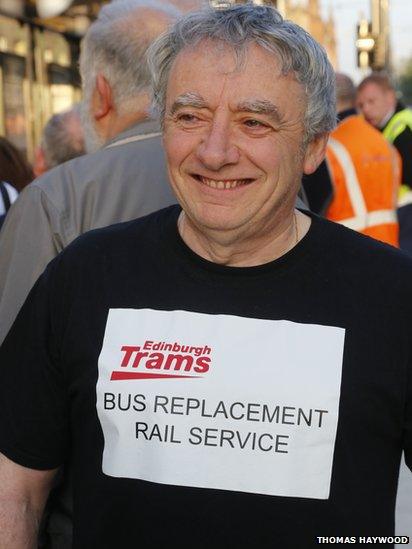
(211, 406)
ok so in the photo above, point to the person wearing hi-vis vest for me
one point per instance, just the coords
(377, 100)
(358, 184)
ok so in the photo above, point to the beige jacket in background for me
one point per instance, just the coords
(124, 180)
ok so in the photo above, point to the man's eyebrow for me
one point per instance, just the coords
(189, 99)
(260, 106)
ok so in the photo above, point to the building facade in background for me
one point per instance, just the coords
(307, 14)
(38, 67)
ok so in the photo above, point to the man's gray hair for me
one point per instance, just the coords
(116, 45)
(239, 26)
(62, 138)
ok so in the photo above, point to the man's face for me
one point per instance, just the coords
(234, 139)
(375, 103)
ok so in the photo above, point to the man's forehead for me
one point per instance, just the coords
(254, 78)
(225, 59)
(372, 88)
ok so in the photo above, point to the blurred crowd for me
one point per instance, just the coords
(62, 140)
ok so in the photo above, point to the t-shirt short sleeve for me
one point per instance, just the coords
(33, 400)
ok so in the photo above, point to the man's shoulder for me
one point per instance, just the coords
(111, 184)
(358, 256)
(356, 128)
(406, 132)
(400, 122)
(144, 232)
(103, 163)
(403, 143)
(401, 108)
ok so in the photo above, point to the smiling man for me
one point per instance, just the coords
(235, 152)
(227, 373)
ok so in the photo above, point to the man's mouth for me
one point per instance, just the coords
(222, 184)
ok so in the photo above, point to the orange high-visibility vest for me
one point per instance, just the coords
(365, 171)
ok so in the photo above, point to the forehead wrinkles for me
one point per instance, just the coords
(215, 54)
(210, 90)
(223, 60)
(219, 56)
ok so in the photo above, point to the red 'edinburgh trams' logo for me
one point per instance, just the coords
(160, 359)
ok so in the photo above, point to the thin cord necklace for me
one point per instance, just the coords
(296, 227)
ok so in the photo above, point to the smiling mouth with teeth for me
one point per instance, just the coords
(222, 184)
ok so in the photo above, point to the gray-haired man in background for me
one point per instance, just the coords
(124, 177)
(235, 373)
(62, 140)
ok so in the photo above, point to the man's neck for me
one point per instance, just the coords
(345, 113)
(386, 118)
(124, 122)
(236, 250)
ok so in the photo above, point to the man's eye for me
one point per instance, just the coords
(252, 123)
(186, 117)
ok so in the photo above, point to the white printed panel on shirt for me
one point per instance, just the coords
(219, 401)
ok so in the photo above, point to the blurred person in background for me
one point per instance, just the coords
(377, 100)
(8, 195)
(15, 174)
(62, 140)
(357, 186)
(123, 177)
(14, 167)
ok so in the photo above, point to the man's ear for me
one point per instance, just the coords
(102, 98)
(315, 153)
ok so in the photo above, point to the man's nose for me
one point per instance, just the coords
(217, 148)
